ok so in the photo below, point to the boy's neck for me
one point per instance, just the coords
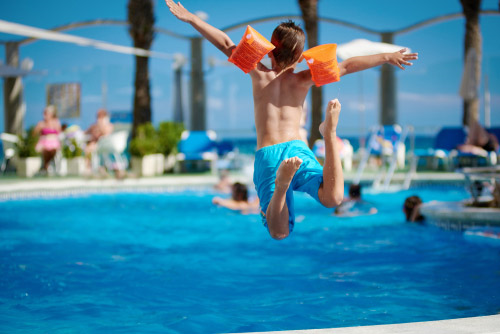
(276, 68)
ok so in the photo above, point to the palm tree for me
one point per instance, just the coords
(471, 9)
(309, 10)
(141, 28)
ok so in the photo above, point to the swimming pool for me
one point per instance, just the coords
(173, 263)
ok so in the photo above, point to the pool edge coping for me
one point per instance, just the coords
(54, 187)
(489, 324)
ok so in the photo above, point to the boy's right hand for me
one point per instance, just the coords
(179, 11)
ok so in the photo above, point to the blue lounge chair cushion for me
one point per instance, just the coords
(449, 138)
(197, 145)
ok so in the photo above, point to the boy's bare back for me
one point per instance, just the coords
(278, 102)
(279, 93)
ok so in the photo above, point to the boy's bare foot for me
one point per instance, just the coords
(286, 171)
(329, 125)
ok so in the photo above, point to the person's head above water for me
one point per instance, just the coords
(355, 191)
(240, 192)
(289, 39)
(411, 209)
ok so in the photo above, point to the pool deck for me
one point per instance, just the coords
(12, 186)
(477, 325)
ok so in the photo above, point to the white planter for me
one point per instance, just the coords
(160, 163)
(76, 166)
(170, 161)
(145, 166)
(62, 167)
(28, 167)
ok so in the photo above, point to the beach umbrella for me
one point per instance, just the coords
(364, 47)
(469, 86)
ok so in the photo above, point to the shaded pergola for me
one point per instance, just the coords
(13, 104)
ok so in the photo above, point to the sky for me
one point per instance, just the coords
(427, 92)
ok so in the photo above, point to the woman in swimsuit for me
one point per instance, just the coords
(48, 129)
(479, 141)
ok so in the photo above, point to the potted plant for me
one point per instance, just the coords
(169, 135)
(29, 162)
(73, 158)
(144, 149)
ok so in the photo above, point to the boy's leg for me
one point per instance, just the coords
(331, 191)
(277, 211)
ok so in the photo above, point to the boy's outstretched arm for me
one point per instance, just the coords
(212, 34)
(360, 63)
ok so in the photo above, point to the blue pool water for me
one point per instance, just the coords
(173, 263)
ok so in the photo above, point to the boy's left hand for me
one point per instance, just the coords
(399, 58)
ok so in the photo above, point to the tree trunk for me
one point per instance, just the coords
(141, 29)
(142, 98)
(309, 10)
(13, 93)
(472, 40)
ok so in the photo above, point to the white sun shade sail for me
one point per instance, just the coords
(364, 47)
(24, 30)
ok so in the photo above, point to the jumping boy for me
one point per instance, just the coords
(283, 162)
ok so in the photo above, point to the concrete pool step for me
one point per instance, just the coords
(477, 325)
(459, 216)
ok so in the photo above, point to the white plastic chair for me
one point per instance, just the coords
(346, 152)
(113, 145)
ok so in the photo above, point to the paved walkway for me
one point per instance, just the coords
(477, 325)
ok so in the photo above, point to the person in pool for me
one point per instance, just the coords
(355, 205)
(283, 162)
(411, 209)
(239, 200)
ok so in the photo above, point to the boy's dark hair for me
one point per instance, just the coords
(410, 205)
(355, 191)
(240, 192)
(289, 39)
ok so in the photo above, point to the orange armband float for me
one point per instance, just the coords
(251, 49)
(322, 61)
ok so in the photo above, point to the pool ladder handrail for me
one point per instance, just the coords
(393, 162)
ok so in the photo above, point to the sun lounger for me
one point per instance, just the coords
(444, 150)
(196, 147)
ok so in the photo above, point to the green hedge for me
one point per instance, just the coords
(27, 143)
(149, 140)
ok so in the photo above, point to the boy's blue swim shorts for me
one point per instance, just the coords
(307, 179)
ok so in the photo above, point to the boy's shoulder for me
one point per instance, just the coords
(303, 77)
